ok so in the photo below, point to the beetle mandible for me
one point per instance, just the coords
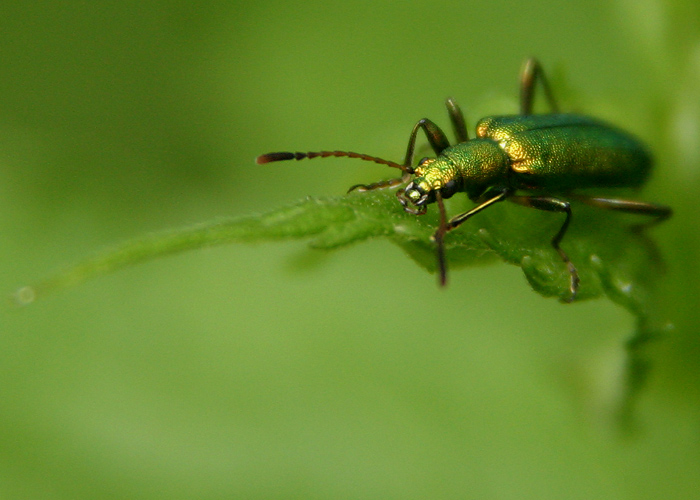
(533, 160)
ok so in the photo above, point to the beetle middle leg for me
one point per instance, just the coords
(551, 204)
(531, 72)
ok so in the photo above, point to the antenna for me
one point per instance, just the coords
(270, 157)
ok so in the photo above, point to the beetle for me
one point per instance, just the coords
(534, 160)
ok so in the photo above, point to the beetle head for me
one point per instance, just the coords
(432, 175)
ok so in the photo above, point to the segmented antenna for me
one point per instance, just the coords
(270, 157)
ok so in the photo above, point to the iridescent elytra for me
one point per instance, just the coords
(535, 160)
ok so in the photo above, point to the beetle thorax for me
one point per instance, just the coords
(480, 164)
(473, 167)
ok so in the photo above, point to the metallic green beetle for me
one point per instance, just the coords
(532, 160)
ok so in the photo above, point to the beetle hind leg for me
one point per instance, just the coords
(457, 118)
(659, 213)
(531, 72)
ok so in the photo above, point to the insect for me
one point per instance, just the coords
(534, 160)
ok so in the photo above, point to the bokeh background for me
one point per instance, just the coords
(275, 371)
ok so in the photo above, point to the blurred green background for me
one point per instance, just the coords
(274, 371)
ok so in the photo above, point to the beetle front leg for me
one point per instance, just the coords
(531, 72)
(438, 141)
(554, 205)
(382, 184)
(436, 137)
(438, 237)
(454, 222)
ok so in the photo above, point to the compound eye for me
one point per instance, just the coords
(449, 188)
(418, 197)
(414, 193)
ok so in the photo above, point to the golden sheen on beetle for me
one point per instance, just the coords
(534, 160)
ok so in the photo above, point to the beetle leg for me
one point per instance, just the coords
(530, 73)
(439, 237)
(459, 219)
(457, 118)
(382, 184)
(436, 137)
(554, 205)
(454, 222)
(660, 212)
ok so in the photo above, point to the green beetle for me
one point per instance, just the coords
(533, 160)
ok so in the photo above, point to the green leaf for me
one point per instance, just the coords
(610, 259)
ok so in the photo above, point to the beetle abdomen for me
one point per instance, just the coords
(563, 152)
